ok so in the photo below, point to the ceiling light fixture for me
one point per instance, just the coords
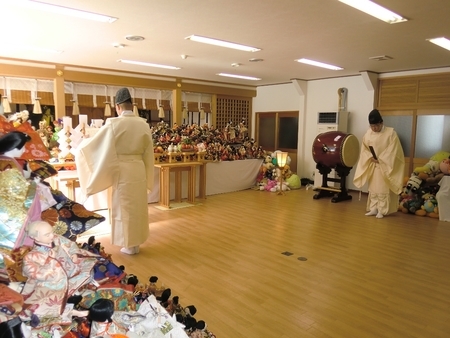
(318, 64)
(134, 38)
(375, 10)
(380, 58)
(147, 64)
(221, 43)
(240, 76)
(441, 42)
(67, 11)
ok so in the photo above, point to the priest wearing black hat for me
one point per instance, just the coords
(120, 156)
(381, 165)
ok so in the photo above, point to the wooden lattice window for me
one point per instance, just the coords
(233, 109)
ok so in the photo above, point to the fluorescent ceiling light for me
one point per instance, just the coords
(66, 11)
(222, 43)
(375, 10)
(29, 48)
(147, 64)
(319, 64)
(441, 42)
(240, 76)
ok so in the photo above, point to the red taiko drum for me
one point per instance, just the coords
(335, 148)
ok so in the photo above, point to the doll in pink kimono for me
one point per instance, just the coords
(56, 269)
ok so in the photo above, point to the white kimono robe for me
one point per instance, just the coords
(120, 156)
(385, 179)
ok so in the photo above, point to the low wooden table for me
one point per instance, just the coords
(178, 168)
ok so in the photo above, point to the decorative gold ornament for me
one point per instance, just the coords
(59, 72)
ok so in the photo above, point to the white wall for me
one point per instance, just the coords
(316, 96)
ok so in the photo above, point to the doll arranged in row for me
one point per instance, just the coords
(75, 290)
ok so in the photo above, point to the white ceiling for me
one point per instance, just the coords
(285, 30)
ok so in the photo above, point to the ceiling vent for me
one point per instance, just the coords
(380, 58)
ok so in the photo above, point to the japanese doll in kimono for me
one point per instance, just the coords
(68, 217)
(56, 269)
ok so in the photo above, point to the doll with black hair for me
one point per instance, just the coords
(12, 145)
(14, 328)
(53, 203)
(100, 315)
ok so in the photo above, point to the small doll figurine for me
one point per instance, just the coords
(13, 145)
(56, 269)
(14, 328)
(100, 315)
(57, 126)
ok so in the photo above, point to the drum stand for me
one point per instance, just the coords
(326, 191)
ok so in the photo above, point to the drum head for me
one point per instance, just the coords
(350, 151)
(335, 148)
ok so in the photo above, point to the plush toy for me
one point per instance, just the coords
(284, 187)
(431, 168)
(412, 205)
(411, 198)
(429, 207)
(294, 181)
(270, 185)
(413, 185)
(444, 166)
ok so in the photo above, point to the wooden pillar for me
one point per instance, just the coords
(214, 110)
(58, 94)
(177, 104)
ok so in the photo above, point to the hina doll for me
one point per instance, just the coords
(56, 269)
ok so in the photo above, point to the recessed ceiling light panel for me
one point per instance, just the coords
(67, 11)
(441, 42)
(239, 76)
(375, 10)
(318, 64)
(221, 43)
(147, 64)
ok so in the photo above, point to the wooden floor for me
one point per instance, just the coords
(362, 277)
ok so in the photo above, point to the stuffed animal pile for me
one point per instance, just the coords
(273, 179)
(420, 189)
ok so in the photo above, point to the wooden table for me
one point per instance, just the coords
(178, 168)
(59, 165)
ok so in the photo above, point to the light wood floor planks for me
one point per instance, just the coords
(363, 277)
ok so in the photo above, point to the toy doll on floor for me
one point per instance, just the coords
(14, 328)
(100, 315)
(56, 269)
(71, 217)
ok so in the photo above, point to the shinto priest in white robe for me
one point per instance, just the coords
(120, 156)
(385, 179)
